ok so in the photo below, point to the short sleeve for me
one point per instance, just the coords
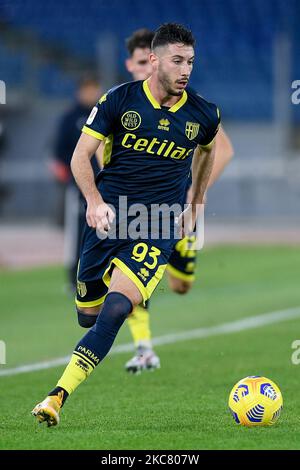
(212, 128)
(100, 122)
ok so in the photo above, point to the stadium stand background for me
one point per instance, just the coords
(247, 59)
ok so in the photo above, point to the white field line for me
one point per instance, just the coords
(221, 329)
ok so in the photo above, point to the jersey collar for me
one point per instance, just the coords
(156, 105)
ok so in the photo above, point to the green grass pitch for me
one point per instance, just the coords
(184, 404)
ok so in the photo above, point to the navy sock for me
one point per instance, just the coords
(97, 342)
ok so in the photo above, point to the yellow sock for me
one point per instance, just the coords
(76, 372)
(139, 325)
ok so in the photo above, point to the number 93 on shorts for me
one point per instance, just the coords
(143, 261)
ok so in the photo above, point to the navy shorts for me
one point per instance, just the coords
(143, 261)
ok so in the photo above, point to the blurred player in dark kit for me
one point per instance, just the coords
(68, 133)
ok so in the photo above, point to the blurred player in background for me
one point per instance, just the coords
(182, 263)
(68, 133)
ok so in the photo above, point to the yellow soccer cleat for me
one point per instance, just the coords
(48, 410)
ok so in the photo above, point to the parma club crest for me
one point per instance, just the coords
(81, 288)
(192, 130)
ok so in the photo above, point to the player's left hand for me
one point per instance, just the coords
(187, 220)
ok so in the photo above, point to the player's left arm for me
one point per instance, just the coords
(202, 165)
(223, 155)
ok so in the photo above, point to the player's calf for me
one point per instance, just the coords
(99, 339)
(88, 353)
(87, 316)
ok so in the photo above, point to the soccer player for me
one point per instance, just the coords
(182, 262)
(150, 130)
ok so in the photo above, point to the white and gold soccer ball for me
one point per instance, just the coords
(255, 401)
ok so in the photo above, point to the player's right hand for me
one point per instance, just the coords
(100, 216)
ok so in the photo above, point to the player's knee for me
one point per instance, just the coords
(183, 288)
(121, 284)
(119, 305)
(179, 286)
(116, 309)
(86, 318)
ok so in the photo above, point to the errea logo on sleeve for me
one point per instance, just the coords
(103, 98)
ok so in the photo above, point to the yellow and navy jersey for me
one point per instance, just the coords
(148, 147)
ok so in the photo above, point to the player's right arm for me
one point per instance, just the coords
(98, 214)
(98, 125)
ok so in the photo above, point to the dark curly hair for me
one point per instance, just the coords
(172, 33)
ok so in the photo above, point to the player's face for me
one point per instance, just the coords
(173, 64)
(89, 94)
(139, 65)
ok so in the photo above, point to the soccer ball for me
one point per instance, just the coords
(255, 401)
